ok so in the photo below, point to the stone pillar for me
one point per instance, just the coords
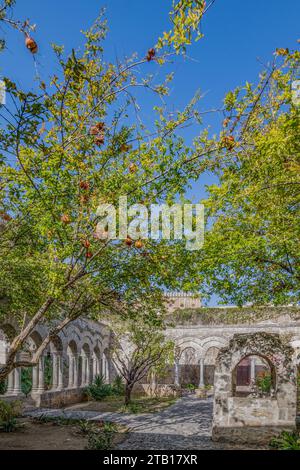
(60, 380)
(10, 383)
(94, 367)
(105, 370)
(89, 370)
(35, 379)
(17, 384)
(83, 371)
(75, 371)
(71, 372)
(101, 366)
(201, 370)
(54, 371)
(176, 373)
(38, 386)
(14, 383)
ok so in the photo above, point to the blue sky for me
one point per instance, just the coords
(240, 36)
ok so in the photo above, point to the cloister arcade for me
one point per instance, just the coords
(71, 361)
(82, 351)
(195, 360)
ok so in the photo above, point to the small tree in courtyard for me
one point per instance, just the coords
(146, 352)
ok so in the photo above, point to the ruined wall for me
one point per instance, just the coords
(252, 418)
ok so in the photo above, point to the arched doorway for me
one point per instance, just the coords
(189, 367)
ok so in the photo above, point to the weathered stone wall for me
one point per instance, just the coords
(61, 398)
(254, 419)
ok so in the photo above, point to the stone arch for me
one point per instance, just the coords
(189, 364)
(213, 341)
(211, 355)
(72, 347)
(246, 384)
(73, 341)
(9, 331)
(86, 343)
(56, 345)
(252, 419)
(35, 339)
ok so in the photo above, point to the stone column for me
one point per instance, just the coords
(94, 367)
(71, 372)
(83, 371)
(10, 383)
(101, 366)
(17, 382)
(54, 371)
(35, 379)
(201, 370)
(60, 379)
(38, 386)
(88, 370)
(252, 369)
(105, 369)
(75, 371)
(176, 373)
(14, 383)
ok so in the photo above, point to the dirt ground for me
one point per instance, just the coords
(46, 436)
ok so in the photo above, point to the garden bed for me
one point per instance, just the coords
(140, 404)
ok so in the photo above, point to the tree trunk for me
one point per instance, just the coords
(128, 390)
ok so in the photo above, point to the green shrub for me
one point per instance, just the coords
(8, 415)
(118, 386)
(99, 390)
(102, 439)
(3, 387)
(286, 441)
(191, 387)
(85, 427)
(264, 382)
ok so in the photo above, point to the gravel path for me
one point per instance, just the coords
(184, 425)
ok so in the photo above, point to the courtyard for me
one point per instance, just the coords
(183, 425)
(149, 225)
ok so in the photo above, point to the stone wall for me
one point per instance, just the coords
(253, 419)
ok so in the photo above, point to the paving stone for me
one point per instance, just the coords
(184, 425)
